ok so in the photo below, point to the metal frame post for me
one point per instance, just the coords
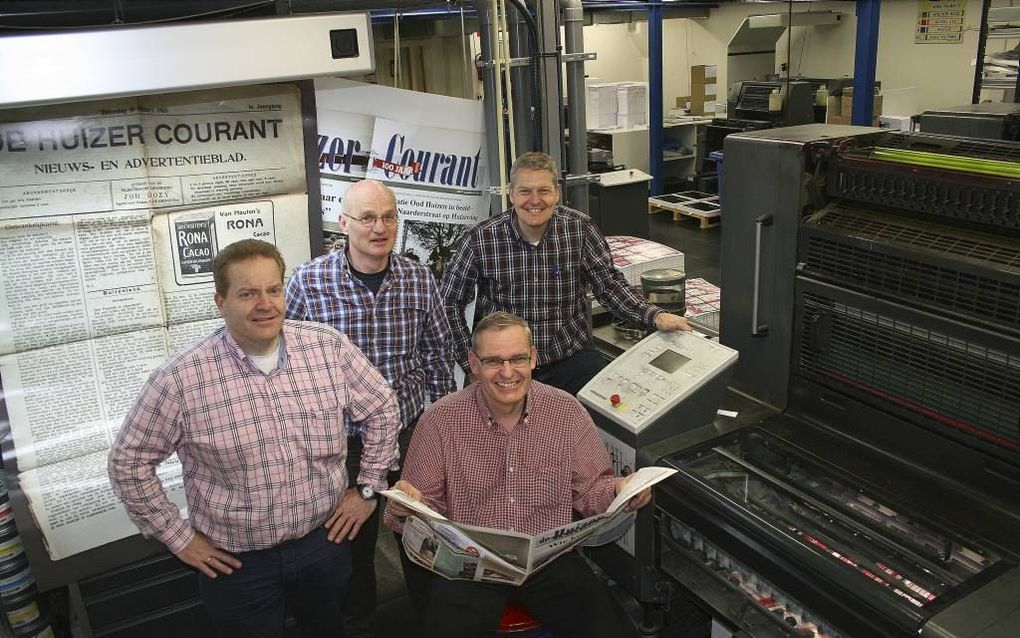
(865, 61)
(547, 14)
(655, 94)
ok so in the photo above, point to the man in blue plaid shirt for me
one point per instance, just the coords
(538, 261)
(389, 307)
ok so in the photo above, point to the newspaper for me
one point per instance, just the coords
(468, 552)
(111, 215)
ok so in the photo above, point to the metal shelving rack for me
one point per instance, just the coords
(997, 23)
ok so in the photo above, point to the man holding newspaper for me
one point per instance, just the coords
(519, 457)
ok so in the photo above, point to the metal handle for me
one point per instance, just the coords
(758, 330)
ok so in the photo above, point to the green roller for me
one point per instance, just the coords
(997, 168)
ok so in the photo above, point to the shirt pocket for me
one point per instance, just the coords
(556, 293)
(318, 433)
(398, 333)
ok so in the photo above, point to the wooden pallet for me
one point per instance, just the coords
(705, 220)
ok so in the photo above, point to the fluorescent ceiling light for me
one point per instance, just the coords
(70, 66)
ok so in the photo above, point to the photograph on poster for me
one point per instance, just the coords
(431, 243)
(333, 240)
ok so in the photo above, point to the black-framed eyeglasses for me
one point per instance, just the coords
(368, 221)
(495, 363)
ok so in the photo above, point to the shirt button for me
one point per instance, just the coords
(511, 499)
(511, 469)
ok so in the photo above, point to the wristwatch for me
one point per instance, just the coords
(367, 492)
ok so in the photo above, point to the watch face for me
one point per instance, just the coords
(367, 492)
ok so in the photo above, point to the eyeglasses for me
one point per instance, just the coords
(495, 363)
(368, 221)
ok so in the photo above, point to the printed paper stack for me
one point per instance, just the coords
(630, 104)
(633, 256)
(702, 297)
(600, 105)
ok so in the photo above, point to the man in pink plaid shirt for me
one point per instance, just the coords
(255, 413)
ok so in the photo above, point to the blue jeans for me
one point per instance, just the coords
(310, 574)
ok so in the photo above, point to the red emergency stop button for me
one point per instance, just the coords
(615, 400)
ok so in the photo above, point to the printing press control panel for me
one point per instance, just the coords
(655, 376)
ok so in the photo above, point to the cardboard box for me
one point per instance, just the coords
(846, 108)
(704, 74)
(833, 106)
(703, 108)
(845, 120)
(895, 122)
(704, 91)
(697, 106)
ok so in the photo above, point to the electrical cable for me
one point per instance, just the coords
(536, 85)
(497, 100)
(506, 58)
(803, 45)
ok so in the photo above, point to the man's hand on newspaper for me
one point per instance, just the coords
(349, 516)
(399, 510)
(207, 558)
(408, 489)
(644, 497)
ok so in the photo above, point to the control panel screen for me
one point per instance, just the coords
(669, 361)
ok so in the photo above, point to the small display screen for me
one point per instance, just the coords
(669, 361)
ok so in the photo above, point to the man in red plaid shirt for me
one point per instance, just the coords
(513, 454)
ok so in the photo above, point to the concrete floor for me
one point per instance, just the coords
(700, 247)
(395, 617)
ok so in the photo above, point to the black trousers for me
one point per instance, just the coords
(565, 596)
(362, 595)
(417, 579)
(573, 372)
(310, 574)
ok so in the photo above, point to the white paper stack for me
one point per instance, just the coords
(630, 104)
(633, 256)
(600, 105)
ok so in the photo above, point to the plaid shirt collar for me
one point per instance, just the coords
(394, 268)
(514, 229)
(234, 349)
(483, 408)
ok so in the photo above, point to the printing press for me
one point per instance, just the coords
(871, 485)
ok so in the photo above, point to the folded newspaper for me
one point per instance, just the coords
(468, 552)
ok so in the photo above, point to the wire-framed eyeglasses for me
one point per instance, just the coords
(368, 221)
(495, 363)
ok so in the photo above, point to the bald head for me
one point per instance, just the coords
(366, 189)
